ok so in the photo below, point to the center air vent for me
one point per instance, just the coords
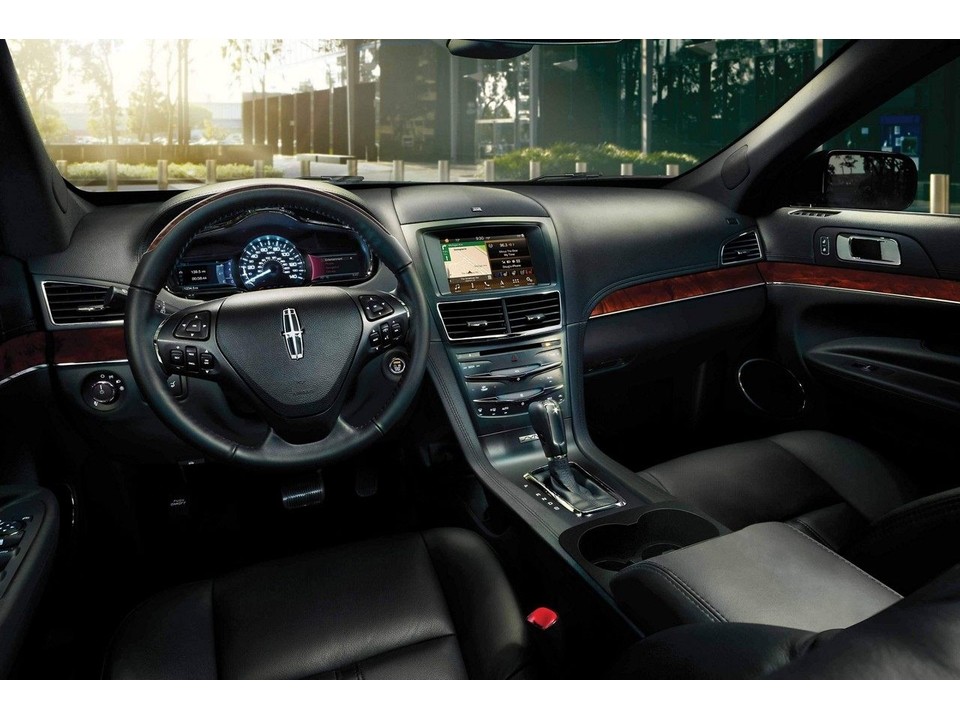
(75, 303)
(514, 315)
(742, 249)
(474, 319)
(533, 312)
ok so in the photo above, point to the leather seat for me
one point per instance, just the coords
(429, 605)
(915, 638)
(835, 490)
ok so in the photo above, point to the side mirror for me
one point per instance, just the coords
(857, 179)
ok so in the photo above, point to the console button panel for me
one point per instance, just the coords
(502, 382)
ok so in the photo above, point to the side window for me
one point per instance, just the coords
(922, 122)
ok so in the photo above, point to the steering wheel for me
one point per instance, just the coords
(297, 357)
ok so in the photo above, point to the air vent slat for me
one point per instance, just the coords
(473, 319)
(479, 319)
(533, 312)
(77, 303)
(742, 249)
(815, 213)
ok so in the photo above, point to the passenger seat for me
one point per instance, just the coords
(839, 492)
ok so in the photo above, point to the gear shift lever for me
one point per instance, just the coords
(547, 420)
(568, 483)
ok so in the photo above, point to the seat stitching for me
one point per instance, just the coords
(686, 592)
(656, 480)
(845, 561)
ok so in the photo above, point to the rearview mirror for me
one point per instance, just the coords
(858, 179)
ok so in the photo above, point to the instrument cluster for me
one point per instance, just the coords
(268, 249)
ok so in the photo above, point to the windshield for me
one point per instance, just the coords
(169, 114)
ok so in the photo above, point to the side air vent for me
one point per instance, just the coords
(500, 317)
(473, 319)
(74, 303)
(743, 249)
(533, 312)
(815, 213)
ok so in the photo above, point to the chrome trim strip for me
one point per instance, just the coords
(865, 292)
(532, 477)
(743, 390)
(678, 300)
(91, 362)
(21, 373)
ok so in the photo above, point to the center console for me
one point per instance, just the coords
(507, 365)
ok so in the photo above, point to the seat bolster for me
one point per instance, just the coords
(485, 612)
(724, 651)
(912, 544)
(917, 638)
(168, 637)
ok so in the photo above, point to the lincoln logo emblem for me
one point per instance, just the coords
(292, 334)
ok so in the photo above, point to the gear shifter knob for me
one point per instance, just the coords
(547, 419)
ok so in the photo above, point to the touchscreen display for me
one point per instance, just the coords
(500, 262)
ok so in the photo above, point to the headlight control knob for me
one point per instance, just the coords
(103, 390)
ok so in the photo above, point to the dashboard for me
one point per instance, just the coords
(270, 248)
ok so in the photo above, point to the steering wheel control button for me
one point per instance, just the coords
(195, 326)
(176, 385)
(11, 533)
(176, 357)
(375, 307)
(103, 390)
(192, 356)
(207, 361)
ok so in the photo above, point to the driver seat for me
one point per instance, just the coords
(429, 605)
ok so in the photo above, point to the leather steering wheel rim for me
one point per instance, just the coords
(142, 321)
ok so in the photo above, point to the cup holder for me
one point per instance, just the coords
(614, 547)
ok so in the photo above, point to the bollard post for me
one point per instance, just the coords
(258, 168)
(535, 169)
(211, 171)
(351, 167)
(111, 175)
(398, 170)
(304, 168)
(673, 169)
(939, 193)
(580, 167)
(443, 170)
(626, 169)
(163, 175)
(62, 167)
(489, 170)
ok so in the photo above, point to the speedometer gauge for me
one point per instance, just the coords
(271, 261)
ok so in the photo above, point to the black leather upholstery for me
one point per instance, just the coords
(429, 605)
(769, 573)
(833, 489)
(916, 638)
(783, 477)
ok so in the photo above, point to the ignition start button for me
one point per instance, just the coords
(397, 366)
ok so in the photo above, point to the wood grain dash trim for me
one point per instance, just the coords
(865, 280)
(683, 287)
(89, 345)
(22, 353)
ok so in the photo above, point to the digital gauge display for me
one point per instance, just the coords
(271, 261)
